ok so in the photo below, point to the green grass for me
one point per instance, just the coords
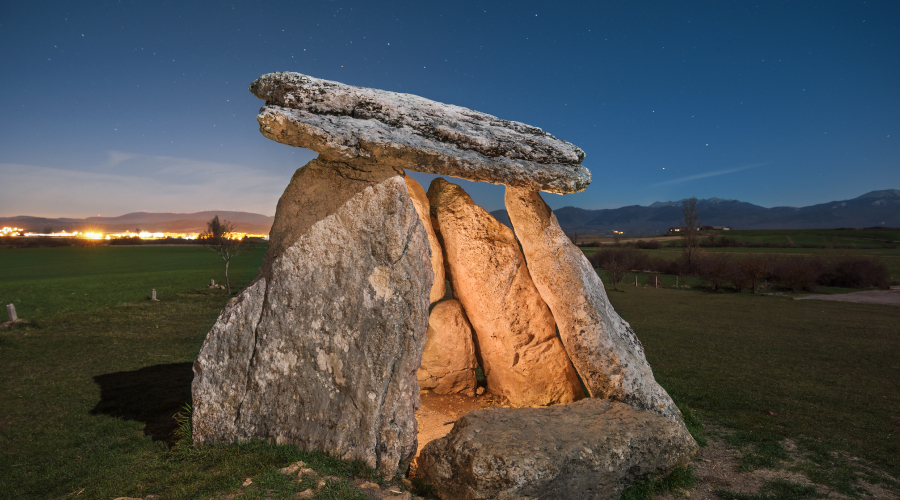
(819, 372)
(90, 387)
(678, 481)
(49, 282)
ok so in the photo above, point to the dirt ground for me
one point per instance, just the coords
(886, 297)
(717, 466)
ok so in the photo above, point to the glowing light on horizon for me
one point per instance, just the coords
(98, 235)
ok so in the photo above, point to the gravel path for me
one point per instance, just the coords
(886, 297)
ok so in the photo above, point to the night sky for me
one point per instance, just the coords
(115, 107)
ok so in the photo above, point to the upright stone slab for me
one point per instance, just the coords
(602, 346)
(420, 201)
(321, 351)
(516, 336)
(448, 362)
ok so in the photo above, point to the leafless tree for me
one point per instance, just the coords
(221, 238)
(690, 233)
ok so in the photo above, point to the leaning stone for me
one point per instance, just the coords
(355, 123)
(448, 362)
(516, 337)
(592, 449)
(321, 350)
(420, 201)
(602, 346)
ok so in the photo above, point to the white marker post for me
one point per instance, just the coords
(11, 311)
(153, 295)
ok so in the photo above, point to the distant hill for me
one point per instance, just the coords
(877, 208)
(244, 222)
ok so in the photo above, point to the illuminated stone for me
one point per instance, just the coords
(521, 356)
(603, 347)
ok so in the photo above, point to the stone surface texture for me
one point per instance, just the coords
(521, 356)
(448, 362)
(591, 449)
(420, 202)
(602, 346)
(321, 351)
(350, 123)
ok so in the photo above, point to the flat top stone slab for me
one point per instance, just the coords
(346, 122)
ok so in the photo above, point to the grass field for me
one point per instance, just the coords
(824, 373)
(89, 388)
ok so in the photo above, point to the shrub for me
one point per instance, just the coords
(855, 271)
(798, 273)
(617, 261)
(714, 267)
(647, 245)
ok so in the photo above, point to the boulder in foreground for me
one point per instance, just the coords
(592, 449)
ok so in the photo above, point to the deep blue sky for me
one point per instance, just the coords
(113, 107)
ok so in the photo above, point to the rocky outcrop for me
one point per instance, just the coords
(448, 362)
(420, 202)
(521, 356)
(602, 346)
(321, 350)
(351, 123)
(591, 449)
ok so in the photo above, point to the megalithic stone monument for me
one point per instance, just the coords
(322, 350)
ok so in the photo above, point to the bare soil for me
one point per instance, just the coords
(717, 466)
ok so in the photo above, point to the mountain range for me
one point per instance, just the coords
(876, 208)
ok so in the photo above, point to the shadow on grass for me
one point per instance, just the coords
(151, 395)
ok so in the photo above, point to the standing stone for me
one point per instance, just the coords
(321, 351)
(516, 336)
(420, 201)
(11, 312)
(588, 450)
(602, 346)
(448, 362)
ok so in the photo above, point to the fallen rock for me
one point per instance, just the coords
(350, 123)
(516, 336)
(591, 449)
(420, 202)
(321, 350)
(292, 469)
(602, 346)
(448, 362)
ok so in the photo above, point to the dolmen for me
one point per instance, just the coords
(373, 287)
